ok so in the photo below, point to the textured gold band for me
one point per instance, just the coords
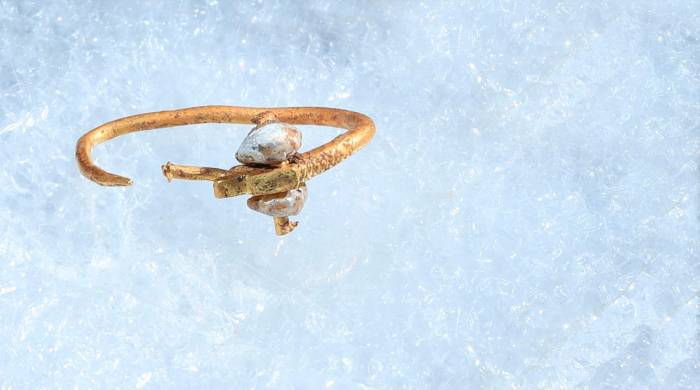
(240, 179)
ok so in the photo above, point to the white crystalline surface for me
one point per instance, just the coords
(526, 216)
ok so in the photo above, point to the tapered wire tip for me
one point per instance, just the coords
(167, 171)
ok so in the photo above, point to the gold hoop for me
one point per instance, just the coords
(240, 179)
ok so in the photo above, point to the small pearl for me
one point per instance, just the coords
(282, 204)
(269, 144)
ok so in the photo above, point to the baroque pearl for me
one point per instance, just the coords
(282, 204)
(269, 144)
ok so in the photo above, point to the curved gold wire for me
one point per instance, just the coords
(240, 179)
(260, 181)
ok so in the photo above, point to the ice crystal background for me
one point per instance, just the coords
(526, 216)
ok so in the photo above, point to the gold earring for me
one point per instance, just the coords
(273, 171)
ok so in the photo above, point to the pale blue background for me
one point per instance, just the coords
(526, 216)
